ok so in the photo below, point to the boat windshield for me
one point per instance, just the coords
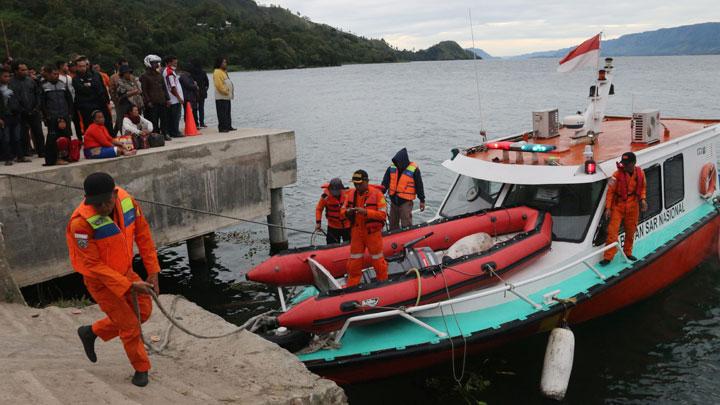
(572, 206)
(470, 195)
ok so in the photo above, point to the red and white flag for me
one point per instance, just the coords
(586, 54)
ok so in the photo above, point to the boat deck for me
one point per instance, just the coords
(613, 141)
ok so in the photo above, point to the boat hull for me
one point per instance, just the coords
(648, 276)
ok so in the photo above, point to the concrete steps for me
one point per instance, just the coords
(43, 363)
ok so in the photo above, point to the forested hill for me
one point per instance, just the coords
(250, 36)
(697, 39)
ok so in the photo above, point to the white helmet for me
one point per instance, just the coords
(150, 59)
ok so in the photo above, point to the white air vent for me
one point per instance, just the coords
(545, 123)
(646, 126)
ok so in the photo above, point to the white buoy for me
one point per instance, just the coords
(558, 363)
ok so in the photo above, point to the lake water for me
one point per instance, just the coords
(664, 349)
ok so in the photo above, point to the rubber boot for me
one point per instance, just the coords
(140, 378)
(87, 337)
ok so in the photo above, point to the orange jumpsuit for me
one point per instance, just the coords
(625, 208)
(366, 232)
(101, 249)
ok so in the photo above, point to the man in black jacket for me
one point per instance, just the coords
(28, 94)
(56, 103)
(90, 94)
(403, 182)
(201, 78)
(10, 140)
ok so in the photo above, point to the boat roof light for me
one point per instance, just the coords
(520, 146)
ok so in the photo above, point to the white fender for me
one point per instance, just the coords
(558, 363)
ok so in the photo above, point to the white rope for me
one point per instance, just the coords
(251, 324)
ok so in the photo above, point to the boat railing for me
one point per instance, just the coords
(508, 287)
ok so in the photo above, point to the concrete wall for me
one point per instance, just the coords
(230, 174)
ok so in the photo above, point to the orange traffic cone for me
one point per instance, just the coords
(190, 128)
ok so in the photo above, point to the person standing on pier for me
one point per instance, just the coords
(175, 96)
(331, 200)
(224, 93)
(201, 78)
(403, 182)
(154, 95)
(625, 199)
(27, 91)
(10, 139)
(56, 104)
(365, 208)
(90, 95)
(100, 239)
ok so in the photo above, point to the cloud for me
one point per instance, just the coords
(502, 28)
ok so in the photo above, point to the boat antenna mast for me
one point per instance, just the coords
(483, 133)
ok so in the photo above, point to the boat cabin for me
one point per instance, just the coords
(563, 168)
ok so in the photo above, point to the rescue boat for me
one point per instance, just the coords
(560, 167)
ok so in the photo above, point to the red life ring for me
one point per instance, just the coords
(708, 180)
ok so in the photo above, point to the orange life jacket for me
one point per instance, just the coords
(332, 209)
(404, 186)
(371, 202)
(115, 243)
(621, 188)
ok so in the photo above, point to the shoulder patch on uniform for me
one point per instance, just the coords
(81, 239)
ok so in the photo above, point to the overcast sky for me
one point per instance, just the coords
(502, 28)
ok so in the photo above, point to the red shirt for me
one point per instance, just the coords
(96, 136)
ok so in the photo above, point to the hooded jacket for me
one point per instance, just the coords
(401, 160)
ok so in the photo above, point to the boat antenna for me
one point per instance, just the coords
(483, 134)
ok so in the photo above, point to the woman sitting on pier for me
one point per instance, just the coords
(97, 142)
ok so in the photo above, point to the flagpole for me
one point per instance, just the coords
(597, 64)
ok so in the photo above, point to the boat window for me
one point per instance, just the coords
(674, 180)
(572, 206)
(653, 191)
(470, 195)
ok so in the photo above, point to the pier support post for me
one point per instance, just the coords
(278, 236)
(196, 249)
(9, 291)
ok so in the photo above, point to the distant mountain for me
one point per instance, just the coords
(697, 39)
(445, 50)
(480, 53)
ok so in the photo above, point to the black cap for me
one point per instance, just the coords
(628, 157)
(359, 176)
(98, 188)
(124, 69)
(336, 187)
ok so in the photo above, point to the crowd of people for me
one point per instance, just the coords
(39, 110)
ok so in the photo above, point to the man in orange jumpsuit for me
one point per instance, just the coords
(365, 208)
(625, 198)
(100, 238)
(331, 200)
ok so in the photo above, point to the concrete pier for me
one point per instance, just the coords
(231, 174)
(43, 363)
(278, 235)
(196, 249)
